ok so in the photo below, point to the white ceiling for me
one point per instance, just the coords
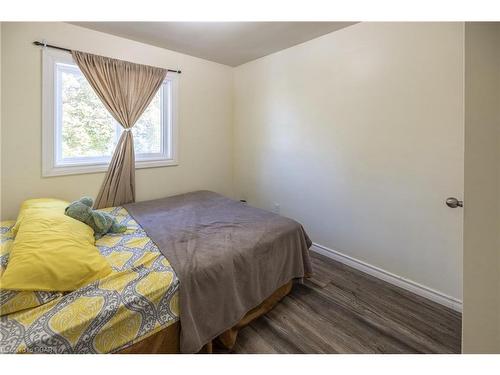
(230, 43)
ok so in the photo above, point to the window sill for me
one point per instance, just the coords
(99, 168)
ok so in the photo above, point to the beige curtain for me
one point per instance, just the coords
(125, 89)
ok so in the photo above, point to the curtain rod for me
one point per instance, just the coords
(37, 43)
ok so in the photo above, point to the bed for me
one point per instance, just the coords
(137, 300)
(136, 308)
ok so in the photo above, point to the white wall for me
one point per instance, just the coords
(358, 134)
(481, 315)
(1, 185)
(205, 117)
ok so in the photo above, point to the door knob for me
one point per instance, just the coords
(454, 202)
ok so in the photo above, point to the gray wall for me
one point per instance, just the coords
(481, 314)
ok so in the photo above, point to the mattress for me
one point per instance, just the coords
(138, 299)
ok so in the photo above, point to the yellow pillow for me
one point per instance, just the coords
(38, 205)
(52, 252)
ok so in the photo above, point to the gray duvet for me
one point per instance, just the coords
(229, 257)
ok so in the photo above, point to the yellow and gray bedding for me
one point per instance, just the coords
(137, 299)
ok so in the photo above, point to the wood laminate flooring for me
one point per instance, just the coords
(342, 310)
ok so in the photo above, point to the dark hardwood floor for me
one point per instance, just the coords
(342, 310)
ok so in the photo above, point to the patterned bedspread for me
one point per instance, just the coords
(138, 299)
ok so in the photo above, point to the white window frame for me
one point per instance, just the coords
(54, 165)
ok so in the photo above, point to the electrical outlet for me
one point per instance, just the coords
(276, 208)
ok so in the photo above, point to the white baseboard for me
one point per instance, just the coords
(389, 277)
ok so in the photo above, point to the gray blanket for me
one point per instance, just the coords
(229, 257)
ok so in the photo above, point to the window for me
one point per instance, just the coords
(80, 135)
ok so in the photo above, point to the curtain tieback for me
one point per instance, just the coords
(127, 129)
